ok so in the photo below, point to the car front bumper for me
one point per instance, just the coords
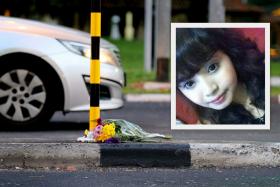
(73, 71)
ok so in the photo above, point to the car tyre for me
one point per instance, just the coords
(27, 96)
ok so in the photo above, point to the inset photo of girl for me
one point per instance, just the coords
(220, 76)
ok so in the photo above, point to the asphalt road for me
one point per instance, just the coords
(152, 117)
(132, 177)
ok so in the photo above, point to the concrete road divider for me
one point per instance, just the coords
(87, 156)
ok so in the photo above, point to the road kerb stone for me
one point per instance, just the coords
(91, 155)
(147, 97)
(49, 155)
(235, 155)
(145, 155)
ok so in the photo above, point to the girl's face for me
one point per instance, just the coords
(214, 85)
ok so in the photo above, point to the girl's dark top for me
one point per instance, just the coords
(260, 120)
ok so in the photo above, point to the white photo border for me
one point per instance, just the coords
(175, 126)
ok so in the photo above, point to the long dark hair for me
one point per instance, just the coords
(196, 46)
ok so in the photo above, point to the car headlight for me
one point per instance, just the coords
(76, 47)
(106, 56)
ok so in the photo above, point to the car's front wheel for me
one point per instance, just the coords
(26, 95)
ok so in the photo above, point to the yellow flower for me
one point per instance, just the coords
(86, 132)
(108, 131)
(102, 138)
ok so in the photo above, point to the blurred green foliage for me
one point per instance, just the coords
(275, 68)
(132, 55)
(275, 71)
(275, 91)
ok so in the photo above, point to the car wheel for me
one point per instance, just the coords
(26, 95)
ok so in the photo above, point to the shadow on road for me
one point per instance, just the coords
(50, 126)
(59, 122)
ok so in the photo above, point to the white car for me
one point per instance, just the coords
(45, 68)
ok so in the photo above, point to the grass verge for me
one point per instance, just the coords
(275, 68)
(132, 55)
(274, 91)
(275, 71)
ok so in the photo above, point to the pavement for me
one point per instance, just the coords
(167, 153)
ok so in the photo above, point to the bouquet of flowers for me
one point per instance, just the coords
(118, 130)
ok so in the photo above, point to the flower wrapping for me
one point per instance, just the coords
(118, 130)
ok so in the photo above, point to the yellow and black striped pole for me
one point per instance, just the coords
(95, 33)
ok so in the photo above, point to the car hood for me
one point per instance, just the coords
(53, 31)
